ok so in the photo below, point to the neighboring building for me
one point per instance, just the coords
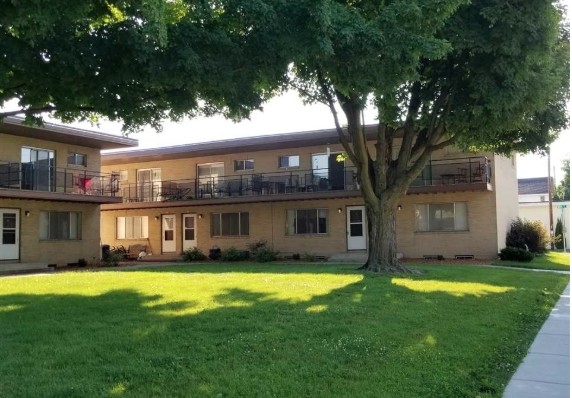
(533, 204)
(291, 191)
(51, 188)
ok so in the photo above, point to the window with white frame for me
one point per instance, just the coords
(133, 227)
(60, 225)
(441, 217)
(289, 161)
(230, 224)
(243, 165)
(77, 159)
(307, 221)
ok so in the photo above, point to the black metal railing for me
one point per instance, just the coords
(470, 170)
(437, 172)
(47, 178)
(289, 182)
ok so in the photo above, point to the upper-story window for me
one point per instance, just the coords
(77, 159)
(289, 161)
(243, 165)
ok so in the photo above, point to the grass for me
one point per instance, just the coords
(269, 331)
(555, 261)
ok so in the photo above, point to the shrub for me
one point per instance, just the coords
(516, 254)
(81, 262)
(266, 255)
(112, 258)
(558, 235)
(233, 254)
(529, 235)
(309, 258)
(255, 246)
(296, 256)
(194, 254)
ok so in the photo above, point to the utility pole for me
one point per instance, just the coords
(550, 204)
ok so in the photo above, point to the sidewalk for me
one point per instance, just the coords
(545, 371)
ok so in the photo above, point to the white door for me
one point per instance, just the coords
(168, 231)
(189, 231)
(9, 234)
(357, 228)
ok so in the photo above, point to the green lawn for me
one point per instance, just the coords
(269, 331)
(552, 261)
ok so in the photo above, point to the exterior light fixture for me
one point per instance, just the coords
(27, 213)
(156, 218)
(200, 216)
(339, 210)
(399, 207)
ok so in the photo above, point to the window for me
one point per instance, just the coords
(60, 225)
(77, 159)
(441, 217)
(229, 224)
(242, 165)
(135, 227)
(289, 161)
(307, 221)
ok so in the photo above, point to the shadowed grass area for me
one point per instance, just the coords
(269, 330)
(556, 261)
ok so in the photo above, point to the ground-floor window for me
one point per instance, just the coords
(134, 227)
(307, 221)
(230, 224)
(60, 225)
(441, 217)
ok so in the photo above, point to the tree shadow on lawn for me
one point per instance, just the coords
(369, 338)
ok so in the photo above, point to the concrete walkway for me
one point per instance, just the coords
(545, 371)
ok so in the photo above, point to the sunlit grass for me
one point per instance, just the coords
(556, 261)
(268, 330)
(454, 288)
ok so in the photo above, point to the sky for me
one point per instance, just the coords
(286, 114)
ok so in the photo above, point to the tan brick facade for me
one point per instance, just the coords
(60, 252)
(268, 219)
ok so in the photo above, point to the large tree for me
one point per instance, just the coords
(486, 74)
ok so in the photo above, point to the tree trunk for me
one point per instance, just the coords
(382, 239)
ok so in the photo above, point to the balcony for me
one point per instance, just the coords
(453, 175)
(247, 188)
(439, 176)
(46, 182)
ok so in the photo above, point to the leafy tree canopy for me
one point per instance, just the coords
(563, 189)
(484, 74)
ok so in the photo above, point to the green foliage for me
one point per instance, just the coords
(563, 189)
(266, 255)
(556, 261)
(233, 254)
(112, 258)
(516, 254)
(528, 235)
(261, 252)
(194, 254)
(255, 246)
(82, 262)
(558, 235)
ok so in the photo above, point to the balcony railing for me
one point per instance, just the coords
(438, 172)
(455, 171)
(47, 178)
(320, 180)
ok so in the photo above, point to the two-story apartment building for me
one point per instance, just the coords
(51, 189)
(292, 191)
